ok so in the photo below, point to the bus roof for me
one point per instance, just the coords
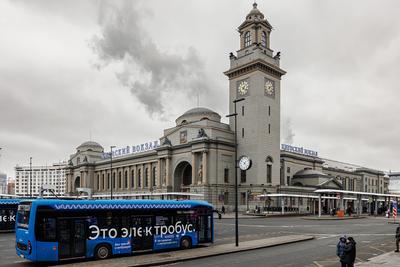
(119, 204)
(9, 201)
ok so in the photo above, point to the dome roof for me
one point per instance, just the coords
(90, 145)
(255, 13)
(309, 173)
(196, 114)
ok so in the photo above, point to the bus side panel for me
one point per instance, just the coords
(46, 251)
(170, 241)
(119, 245)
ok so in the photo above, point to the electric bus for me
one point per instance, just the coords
(8, 211)
(56, 230)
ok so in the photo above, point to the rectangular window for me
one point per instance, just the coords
(242, 198)
(226, 198)
(242, 110)
(288, 169)
(269, 173)
(288, 180)
(269, 128)
(226, 175)
(242, 132)
(269, 110)
(242, 176)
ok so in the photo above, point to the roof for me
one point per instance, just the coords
(90, 145)
(196, 114)
(309, 173)
(120, 204)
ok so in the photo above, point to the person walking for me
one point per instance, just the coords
(349, 252)
(397, 238)
(340, 249)
(223, 209)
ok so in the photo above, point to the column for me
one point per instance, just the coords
(159, 178)
(376, 206)
(204, 170)
(150, 166)
(135, 178)
(168, 176)
(142, 173)
(129, 170)
(319, 205)
(194, 169)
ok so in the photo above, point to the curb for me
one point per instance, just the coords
(159, 258)
(334, 218)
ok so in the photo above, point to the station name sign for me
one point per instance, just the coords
(127, 150)
(299, 150)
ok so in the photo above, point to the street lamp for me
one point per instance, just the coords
(112, 177)
(236, 170)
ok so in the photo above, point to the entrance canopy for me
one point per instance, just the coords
(357, 193)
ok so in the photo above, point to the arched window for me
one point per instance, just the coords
(154, 176)
(247, 39)
(108, 181)
(98, 182)
(113, 179)
(139, 177)
(146, 177)
(126, 179)
(119, 179)
(133, 179)
(104, 182)
(264, 39)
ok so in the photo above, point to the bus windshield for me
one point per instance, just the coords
(23, 216)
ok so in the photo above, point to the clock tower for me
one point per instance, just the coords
(255, 75)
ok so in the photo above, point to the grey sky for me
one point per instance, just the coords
(124, 71)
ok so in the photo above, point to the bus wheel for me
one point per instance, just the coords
(186, 243)
(103, 252)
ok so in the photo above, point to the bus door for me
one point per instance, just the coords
(205, 228)
(141, 241)
(71, 237)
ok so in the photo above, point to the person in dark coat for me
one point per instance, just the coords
(397, 238)
(340, 249)
(349, 252)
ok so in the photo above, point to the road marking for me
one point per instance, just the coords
(377, 249)
(319, 265)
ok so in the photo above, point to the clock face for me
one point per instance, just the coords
(243, 87)
(244, 163)
(269, 88)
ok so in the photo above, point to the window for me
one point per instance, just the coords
(226, 198)
(269, 128)
(269, 110)
(288, 180)
(264, 39)
(46, 229)
(120, 179)
(146, 177)
(242, 132)
(242, 198)
(242, 176)
(288, 169)
(126, 179)
(226, 175)
(247, 39)
(242, 110)
(269, 173)
(139, 178)
(154, 176)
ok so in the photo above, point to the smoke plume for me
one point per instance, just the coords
(146, 70)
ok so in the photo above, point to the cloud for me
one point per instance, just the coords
(149, 72)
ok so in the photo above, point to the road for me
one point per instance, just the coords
(374, 236)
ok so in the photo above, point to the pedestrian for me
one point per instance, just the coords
(349, 252)
(397, 238)
(340, 249)
(223, 209)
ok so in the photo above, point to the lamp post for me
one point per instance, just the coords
(30, 176)
(236, 170)
(112, 177)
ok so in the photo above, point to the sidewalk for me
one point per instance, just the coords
(241, 215)
(328, 217)
(190, 254)
(390, 259)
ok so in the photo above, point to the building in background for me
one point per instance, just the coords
(394, 182)
(3, 183)
(53, 175)
(11, 186)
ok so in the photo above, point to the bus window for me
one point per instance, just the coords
(46, 229)
(23, 216)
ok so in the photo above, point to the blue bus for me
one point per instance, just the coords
(56, 230)
(8, 212)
